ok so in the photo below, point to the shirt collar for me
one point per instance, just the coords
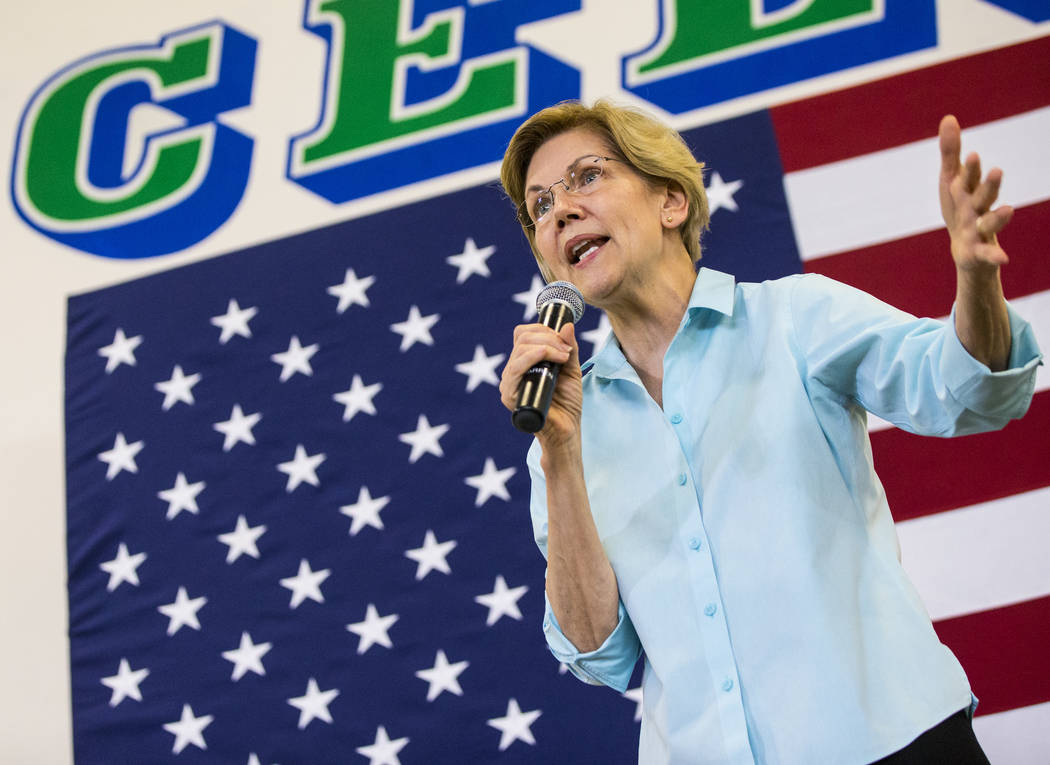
(713, 290)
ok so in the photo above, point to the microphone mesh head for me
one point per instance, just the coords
(562, 292)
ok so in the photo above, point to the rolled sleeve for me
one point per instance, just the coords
(612, 663)
(998, 396)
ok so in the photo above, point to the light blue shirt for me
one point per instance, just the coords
(755, 554)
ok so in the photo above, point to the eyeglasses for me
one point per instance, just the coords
(582, 177)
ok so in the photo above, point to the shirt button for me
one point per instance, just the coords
(682, 479)
(675, 419)
(710, 609)
(727, 685)
(695, 543)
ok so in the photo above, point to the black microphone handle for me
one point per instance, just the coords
(537, 385)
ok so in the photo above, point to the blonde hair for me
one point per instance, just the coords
(657, 152)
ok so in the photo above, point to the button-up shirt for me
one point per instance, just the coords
(756, 559)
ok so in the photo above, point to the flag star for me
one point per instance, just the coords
(635, 695)
(515, 725)
(177, 388)
(247, 656)
(182, 496)
(306, 584)
(352, 290)
(358, 398)
(365, 512)
(123, 568)
(597, 335)
(120, 351)
(373, 629)
(492, 482)
(238, 428)
(242, 540)
(415, 329)
(121, 457)
(502, 601)
(234, 321)
(302, 467)
(443, 676)
(431, 556)
(471, 261)
(720, 193)
(313, 704)
(383, 751)
(425, 439)
(183, 612)
(482, 368)
(189, 729)
(125, 684)
(295, 359)
(528, 297)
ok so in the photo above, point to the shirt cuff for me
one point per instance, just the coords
(993, 394)
(612, 663)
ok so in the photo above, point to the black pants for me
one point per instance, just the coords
(951, 742)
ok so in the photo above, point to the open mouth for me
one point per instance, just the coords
(585, 249)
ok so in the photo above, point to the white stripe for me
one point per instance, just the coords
(1035, 308)
(1019, 736)
(979, 557)
(892, 194)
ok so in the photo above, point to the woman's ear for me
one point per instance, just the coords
(675, 207)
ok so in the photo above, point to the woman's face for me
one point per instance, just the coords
(604, 241)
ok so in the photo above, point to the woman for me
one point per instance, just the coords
(705, 492)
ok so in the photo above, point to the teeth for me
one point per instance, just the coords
(584, 256)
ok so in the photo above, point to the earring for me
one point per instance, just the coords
(669, 219)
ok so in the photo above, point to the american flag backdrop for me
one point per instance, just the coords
(298, 523)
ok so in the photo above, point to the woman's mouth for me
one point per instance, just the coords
(585, 249)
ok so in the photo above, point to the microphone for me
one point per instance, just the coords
(558, 303)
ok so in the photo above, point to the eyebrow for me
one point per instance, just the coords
(536, 187)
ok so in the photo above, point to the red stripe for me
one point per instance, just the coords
(908, 107)
(924, 475)
(916, 273)
(1004, 652)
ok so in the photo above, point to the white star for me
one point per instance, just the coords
(306, 584)
(528, 297)
(352, 290)
(373, 629)
(383, 751)
(635, 695)
(182, 496)
(234, 321)
(183, 612)
(189, 729)
(471, 260)
(302, 467)
(597, 335)
(424, 439)
(431, 556)
(247, 656)
(415, 329)
(491, 483)
(443, 676)
(358, 398)
(242, 540)
(515, 725)
(295, 359)
(120, 351)
(123, 568)
(238, 428)
(314, 704)
(125, 684)
(482, 368)
(177, 388)
(121, 457)
(365, 512)
(720, 194)
(502, 601)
